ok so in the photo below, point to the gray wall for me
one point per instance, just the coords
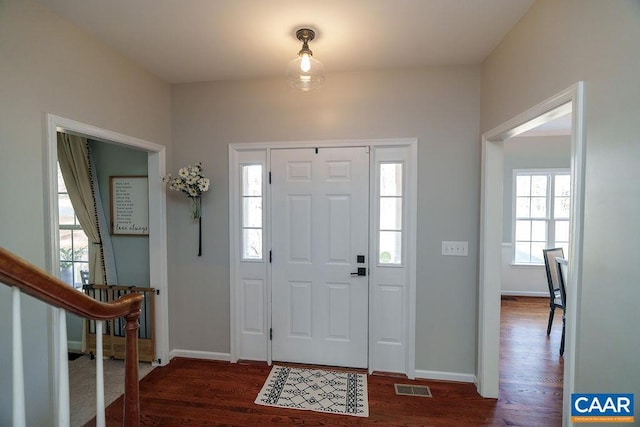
(439, 106)
(49, 65)
(556, 44)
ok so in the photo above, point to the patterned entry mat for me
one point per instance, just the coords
(316, 390)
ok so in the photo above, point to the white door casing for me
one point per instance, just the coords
(320, 216)
(490, 241)
(156, 162)
(392, 288)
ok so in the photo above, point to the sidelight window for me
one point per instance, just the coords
(252, 203)
(390, 213)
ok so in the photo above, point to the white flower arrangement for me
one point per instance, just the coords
(190, 181)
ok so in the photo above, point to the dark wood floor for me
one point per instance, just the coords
(196, 392)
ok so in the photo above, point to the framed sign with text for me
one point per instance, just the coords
(129, 202)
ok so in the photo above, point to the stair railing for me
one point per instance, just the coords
(26, 278)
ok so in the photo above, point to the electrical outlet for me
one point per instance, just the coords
(455, 248)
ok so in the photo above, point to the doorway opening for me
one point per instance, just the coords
(537, 194)
(491, 223)
(157, 216)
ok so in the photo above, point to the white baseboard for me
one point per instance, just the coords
(427, 375)
(195, 354)
(525, 294)
(446, 376)
(75, 346)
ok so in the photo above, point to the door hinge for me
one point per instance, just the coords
(269, 177)
(270, 256)
(316, 150)
(270, 334)
(157, 291)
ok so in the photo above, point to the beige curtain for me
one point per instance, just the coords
(74, 164)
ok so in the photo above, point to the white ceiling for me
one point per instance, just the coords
(203, 40)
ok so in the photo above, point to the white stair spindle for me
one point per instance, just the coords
(64, 418)
(19, 414)
(100, 417)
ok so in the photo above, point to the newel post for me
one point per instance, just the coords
(131, 388)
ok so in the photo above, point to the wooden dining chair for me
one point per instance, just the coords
(555, 299)
(562, 267)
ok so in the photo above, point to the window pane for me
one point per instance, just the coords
(561, 207)
(66, 215)
(80, 246)
(65, 245)
(523, 230)
(562, 231)
(66, 257)
(390, 247)
(61, 187)
(523, 252)
(539, 231)
(523, 185)
(538, 207)
(391, 213)
(534, 208)
(252, 212)
(251, 244)
(391, 179)
(536, 251)
(66, 272)
(562, 185)
(252, 180)
(522, 207)
(539, 185)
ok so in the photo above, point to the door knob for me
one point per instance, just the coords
(361, 272)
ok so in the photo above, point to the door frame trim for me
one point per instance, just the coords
(409, 303)
(491, 239)
(156, 163)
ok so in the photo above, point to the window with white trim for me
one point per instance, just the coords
(73, 242)
(541, 206)
(390, 213)
(252, 202)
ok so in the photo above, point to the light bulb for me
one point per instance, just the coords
(305, 63)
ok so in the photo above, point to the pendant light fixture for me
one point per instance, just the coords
(305, 72)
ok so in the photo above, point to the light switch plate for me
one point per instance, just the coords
(450, 248)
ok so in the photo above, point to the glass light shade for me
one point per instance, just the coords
(305, 73)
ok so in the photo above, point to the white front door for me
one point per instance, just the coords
(320, 221)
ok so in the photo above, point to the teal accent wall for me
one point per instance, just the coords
(131, 252)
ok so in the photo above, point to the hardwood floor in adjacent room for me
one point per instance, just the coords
(199, 392)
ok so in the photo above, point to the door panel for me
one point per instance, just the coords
(300, 220)
(320, 219)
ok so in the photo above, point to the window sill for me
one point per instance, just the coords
(520, 264)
